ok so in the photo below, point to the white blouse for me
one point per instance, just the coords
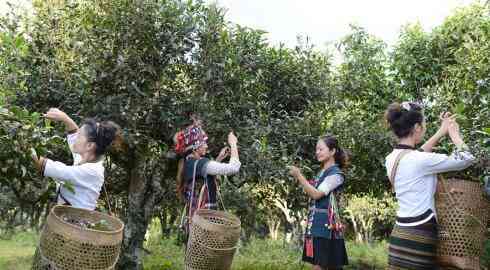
(416, 179)
(218, 168)
(330, 183)
(87, 179)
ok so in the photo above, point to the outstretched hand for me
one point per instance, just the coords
(294, 171)
(56, 115)
(232, 139)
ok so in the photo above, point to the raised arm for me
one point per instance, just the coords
(233, 166)
(60, 116)
(446, 119)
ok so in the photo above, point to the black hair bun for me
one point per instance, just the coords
(107, 133)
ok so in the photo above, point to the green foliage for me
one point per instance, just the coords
(447, 70)
(21, 131)
(366, 211)
(145, 63)
(363, 90)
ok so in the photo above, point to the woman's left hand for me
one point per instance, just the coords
(294, 171)
(224, 153)
(36, 159)
(446, 119)
(56, 115)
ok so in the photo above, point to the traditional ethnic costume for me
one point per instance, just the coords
(200, 186)
(324, 242)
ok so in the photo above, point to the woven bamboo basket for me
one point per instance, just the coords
(65, 246)
(213, 240)
(462, 211)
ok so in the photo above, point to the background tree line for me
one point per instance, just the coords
(145, 64)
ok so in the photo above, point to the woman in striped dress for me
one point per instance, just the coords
(413, 175)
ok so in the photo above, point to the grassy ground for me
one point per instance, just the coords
(261, 254)
(16, 252)
(267, 255)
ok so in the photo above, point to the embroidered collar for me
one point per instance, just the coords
(404, 146)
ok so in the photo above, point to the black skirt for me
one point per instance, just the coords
(327, 253)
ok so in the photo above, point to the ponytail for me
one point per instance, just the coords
(341, 157)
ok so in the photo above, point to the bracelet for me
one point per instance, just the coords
(73, 131)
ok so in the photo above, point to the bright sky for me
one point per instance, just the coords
(326, 21)
(4, 6)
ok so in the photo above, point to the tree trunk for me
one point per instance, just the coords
(299, 228)
(174, 215)
(144, 189)
(273, 225)
(162, 216)
(292, 218)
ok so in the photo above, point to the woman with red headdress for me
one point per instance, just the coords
(196, 176)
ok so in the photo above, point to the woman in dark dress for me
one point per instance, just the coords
(324, 245)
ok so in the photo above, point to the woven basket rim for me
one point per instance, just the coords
(111, 232)
(235, 220)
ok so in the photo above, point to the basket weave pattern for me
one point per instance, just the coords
(213, 240)
(66, 246)
(462, 211)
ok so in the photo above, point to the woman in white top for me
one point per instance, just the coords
(413, 174)
(196, 176)
(88, 145)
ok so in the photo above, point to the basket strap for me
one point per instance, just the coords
(218, 190)
(107, 199)
(395, 167)
(192, 190)
(201, 194)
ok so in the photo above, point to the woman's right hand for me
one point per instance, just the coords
(232, 139)
(225, 152)
(446, 119)
(294, 171)
(453, 128)
(455, 134)
(56, 115)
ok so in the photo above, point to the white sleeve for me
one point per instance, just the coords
(438, 163)
(65, 173)
(331, 183)
(218, 168)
